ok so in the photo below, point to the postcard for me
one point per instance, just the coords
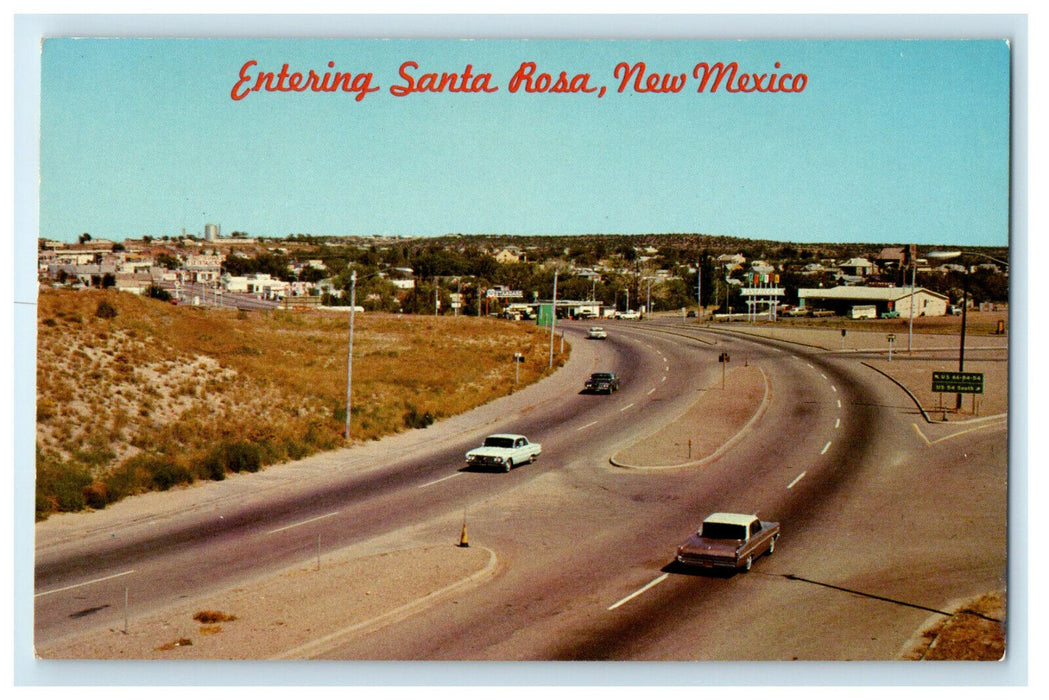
(524, 350)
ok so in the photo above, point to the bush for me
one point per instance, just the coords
(242, 456)
(414, 419)
(157, 292)
(105, 310)
(60, 486)
(166, 472)
(230, 457)
(147, 471)
(96, 495)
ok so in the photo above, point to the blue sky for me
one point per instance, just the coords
(890, 141)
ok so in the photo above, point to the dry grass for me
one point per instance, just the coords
(210, 617)
(974, 633)
(159, 395)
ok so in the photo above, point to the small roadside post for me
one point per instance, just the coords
(518, 359)
(723, 358)
(892, 339)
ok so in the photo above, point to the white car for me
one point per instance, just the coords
(503, 451)
(597, 333)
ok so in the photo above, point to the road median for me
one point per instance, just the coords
(719, 418)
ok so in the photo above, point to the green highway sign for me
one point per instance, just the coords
(958, 382)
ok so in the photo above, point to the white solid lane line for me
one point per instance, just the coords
(304, 522)
(638, 592)
(85, 583)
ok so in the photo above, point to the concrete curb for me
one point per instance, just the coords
(907, 391)
(762, 407)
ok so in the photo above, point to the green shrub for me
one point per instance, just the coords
(165, 472)
(105, 310)
(147, 471)
(127, 479)
(60, 486)
(96, 495)
(230, 457)
(243, 456)
(414, 419)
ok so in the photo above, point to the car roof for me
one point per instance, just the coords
(512, 436)
(730, 518)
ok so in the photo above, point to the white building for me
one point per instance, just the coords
(260, 284)
(886, 299)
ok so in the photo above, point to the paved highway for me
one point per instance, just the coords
(878, 510)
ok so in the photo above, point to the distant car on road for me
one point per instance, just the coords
(729, 541)
(602, 382)
(597, 333)
(503, 451)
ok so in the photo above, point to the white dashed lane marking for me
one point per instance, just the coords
(638, 592)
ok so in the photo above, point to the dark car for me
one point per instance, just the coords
(602, 382)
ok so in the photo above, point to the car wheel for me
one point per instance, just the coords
(748, 563)
(509, 465)
(772, 545)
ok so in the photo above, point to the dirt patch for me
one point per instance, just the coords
(287, 613)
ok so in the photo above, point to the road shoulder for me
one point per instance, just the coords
(296, 613)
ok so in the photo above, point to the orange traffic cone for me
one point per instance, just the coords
(464, 541)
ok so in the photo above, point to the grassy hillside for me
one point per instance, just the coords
(135, 394)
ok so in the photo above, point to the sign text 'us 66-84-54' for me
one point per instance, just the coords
(958, 382)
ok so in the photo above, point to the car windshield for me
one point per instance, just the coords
(723, 531)
(498, 442)
(601, 375)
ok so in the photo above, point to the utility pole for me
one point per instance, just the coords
(553, 321)
(699, 288)
(349, 355)
(910, 327)
(961, 349)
